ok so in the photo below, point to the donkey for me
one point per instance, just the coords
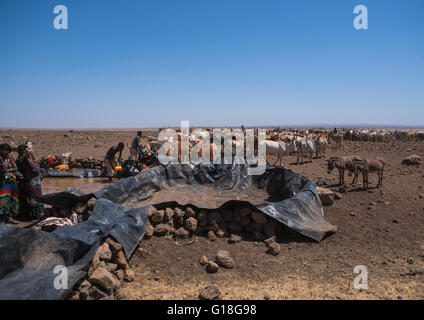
(342, 164)
(369, 165)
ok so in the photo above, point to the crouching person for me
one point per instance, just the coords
(110, 159)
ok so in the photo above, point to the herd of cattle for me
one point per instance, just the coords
(307, 143)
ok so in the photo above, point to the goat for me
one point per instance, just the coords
(369, 165)
(342, 164)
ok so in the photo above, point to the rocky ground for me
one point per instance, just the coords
(381, 229)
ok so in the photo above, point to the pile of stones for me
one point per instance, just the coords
(106, 273)
(85, 163)
(232, 222)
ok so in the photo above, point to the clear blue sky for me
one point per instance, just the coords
(212, 62)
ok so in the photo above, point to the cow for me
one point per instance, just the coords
(279, 149)
(304, 146)
(321, 144)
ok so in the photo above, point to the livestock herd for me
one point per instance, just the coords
(307, 143)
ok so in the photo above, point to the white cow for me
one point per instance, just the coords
(304, 146)
(279, 149)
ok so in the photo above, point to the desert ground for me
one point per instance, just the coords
(381, 229)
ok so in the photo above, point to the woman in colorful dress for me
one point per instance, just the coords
(31, 184)
(9, 194)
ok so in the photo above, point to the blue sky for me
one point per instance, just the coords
(127, 64)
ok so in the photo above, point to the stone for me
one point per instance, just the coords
(224, 260)
(111, 267)
(161, 229)
(200, 231)
(259, 236)
(105, 280)
(244, 212)
(157, 216)
(178, 213)
(202, 219)
(274, 248)
(326, 196)
(269, 228)
(212, 267)
(245, 221)
(96, 293)
(85, 284)
(121, 260)
(337, 195)
(191, 224)
(182, 233)
(209, 293)
(234, 238)
(75, 295)
(253, 226)
(203, 260)
(213, 228)
(104, 252)
(119, 274)
(258, 217)
(234, 227)
(129, 275)
(413, 160)
(269, 240)
(190, 213)
(220, 233)
(211, 236)
(227, 214)
(214, 217)
(84, 293)
(149, 230)
(236, 215)
(168, 215)
(114, 246)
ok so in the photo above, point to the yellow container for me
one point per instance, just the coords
(62, 167)
(118, 168)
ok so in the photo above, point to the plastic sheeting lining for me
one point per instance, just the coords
(28, 257)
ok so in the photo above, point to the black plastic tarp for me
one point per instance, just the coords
(28, 258)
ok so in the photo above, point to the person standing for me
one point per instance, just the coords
(135, 148)
(9, 192)
(110, 160)
(31, 183)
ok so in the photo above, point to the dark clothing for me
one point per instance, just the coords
(109, 168)
(30, 187)
(135, 143)
(110, 154)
